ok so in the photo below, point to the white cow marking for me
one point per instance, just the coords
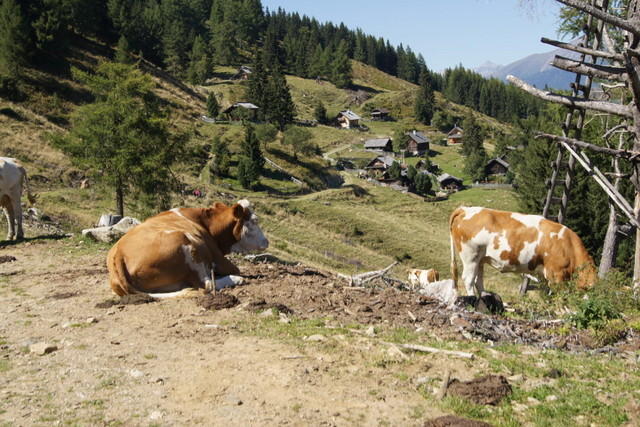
(528, 220)
(469, 212)
(177, 212)
(203, 271)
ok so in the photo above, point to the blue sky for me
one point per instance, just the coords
(446, 32)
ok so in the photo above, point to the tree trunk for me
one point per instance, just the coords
(119, 198)
(610, 246)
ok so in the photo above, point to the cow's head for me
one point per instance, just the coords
(235, 228)
(586, 275)
(249, 236)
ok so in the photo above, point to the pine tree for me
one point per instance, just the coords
(320, 113)
(425, 100)
(122, 137)
(341, 67)
(411, 173)
(251, 161)
(423, 184)
(221, 158)
(256, 91)
(213, 108)
(279, 107)
(123, 52)
(473, 135)
(200, 63)
(14, 39)
(395, 171)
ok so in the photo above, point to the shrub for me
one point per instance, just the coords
(594, 312)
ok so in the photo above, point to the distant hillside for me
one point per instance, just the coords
(534, 69)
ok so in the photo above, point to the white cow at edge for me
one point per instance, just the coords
(12, 174)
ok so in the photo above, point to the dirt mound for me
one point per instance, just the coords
(487, 390)
(453, 421)
(217, 301)
(135, 299)
(310, 293)
(261, 305)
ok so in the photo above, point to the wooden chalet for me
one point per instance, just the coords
(454, 136)
(379, 145)
(243, 73)
(348, 119)
(498, 166)
(417, 143)
(450, 182)
(380, 163)
(241, 110)
(380, 114)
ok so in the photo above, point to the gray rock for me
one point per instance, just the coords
(316, 337)
(42, 348)
(110, 234)
(107, 220)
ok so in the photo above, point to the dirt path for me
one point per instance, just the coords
(170, 362)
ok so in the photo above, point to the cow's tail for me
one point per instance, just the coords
(30, 197)
(454, 265)
(118, 275)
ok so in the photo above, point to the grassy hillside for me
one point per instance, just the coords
(352, 228)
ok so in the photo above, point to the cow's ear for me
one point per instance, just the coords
(208, 212)
(238, 211)
(218, 206)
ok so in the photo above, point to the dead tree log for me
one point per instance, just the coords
(571, 101)
(593, 52)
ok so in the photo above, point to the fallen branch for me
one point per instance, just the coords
(593, 70)
(585, 50)
(626, 154)
(425, 349)
(572, 101)
(362, 278)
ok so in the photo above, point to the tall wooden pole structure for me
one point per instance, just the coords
(620, 65)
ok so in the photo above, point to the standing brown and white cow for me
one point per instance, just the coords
(514, 242)
(184, 248)
(12, 175)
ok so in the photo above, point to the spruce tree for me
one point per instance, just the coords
(395, 171)
(213, 108)
(122, 137)
(320, 113)
(200, 64)
(221, 158)
(422, 184)
(341, 67)
(425, 100)
(14, 39)
(251, 161)
(123, 52)
(279, 107)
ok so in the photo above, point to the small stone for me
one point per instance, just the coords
(136, 373)
(92, 320)
(42, 348)
(421, 380)
(267, 313)
(284, 318)
(551, 398)
(533, 401)
(155, 415)
(370, 332)
(316, 337)
(516, 378)
(65, 325)
(519, 407)
(111, 311)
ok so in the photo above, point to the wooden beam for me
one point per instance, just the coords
(585, 50)
(594, 70)
(621, 23)
(571, 101)
(625, 154)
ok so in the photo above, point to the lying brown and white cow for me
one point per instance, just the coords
(184, 248)
(419, 277)
(514, 242)
(12, 175)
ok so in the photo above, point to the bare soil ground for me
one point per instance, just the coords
(218, 360)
